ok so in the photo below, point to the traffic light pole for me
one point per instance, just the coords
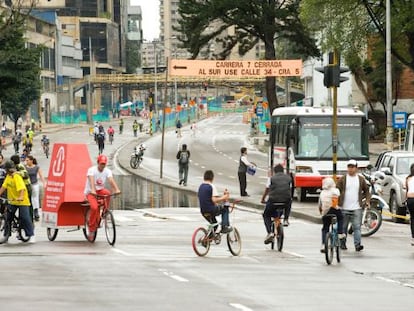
(335, 121)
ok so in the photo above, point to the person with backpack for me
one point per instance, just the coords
(101, 139)
(183, 157)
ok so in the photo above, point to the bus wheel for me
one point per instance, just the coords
(301, 194)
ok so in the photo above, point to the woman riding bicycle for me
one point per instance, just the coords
(328, 205)
(95, 185)
(279, 188)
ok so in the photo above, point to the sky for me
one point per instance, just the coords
(150, 18)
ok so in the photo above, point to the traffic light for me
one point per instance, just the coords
(332, 75)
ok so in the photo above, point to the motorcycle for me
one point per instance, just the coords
(372, 215)
(137, 156)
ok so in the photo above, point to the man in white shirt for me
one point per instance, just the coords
(353, 189)
(95, 185)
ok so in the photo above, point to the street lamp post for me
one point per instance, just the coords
(89, 104)
(175, 81)
(155, 76)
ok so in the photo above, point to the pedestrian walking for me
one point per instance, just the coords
(409, 185)
(183, 157)
(135, 128)
(353, 189)
(243, 165)
(121, 126)
(193, 128)
(35, 173)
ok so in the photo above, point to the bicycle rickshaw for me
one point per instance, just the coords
(64, 205)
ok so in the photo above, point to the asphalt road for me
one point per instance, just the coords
(153, 266)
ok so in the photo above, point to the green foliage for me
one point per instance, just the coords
(19, 68)
(353, 25)
(133, 56)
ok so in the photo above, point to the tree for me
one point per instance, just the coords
(353, 25)
(19, 66)
(204, 23)
(133, 57)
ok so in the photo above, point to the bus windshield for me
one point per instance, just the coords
(315, 138)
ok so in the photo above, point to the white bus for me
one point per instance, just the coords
(409, 134)
(302, 142)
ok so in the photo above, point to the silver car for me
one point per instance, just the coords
(396, 167)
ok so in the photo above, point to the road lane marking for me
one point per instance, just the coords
(394, 281)
(294, 254)
(240, 307)
(173, 276)
(116, 250)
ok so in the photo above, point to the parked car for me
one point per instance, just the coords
(396, 167)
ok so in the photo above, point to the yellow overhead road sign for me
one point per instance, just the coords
(235, 68)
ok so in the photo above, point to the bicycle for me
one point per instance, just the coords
(277, 229)
(106, 219)
(111, 138)
(332, 242)
(46, 150)
(203, 237)
(6, 230)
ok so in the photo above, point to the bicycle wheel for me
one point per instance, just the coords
(134, 162)
(86, 232)
(329, 248)
(272, 229)
(47, 152)
(280, 237)
(51, 233)
(338, 250)
(200, 241)
(371, 223)
(234, 242)
(23, 236)
(139, 161)
(110, 230)
(2, 229)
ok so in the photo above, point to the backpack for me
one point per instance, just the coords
(184, 157)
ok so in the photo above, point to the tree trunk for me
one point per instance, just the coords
(270, 54)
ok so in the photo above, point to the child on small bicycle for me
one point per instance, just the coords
(328, 205)
(208, 198)
(279, 189)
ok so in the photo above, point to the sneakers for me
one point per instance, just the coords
(359, 247)
(343, 245)
(226, 229)
(269, 238)
(32, 239)
(36, 214)
(323, 248)
(285, 223)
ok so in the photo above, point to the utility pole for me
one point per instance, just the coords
(390, 130)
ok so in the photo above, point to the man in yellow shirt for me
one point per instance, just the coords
(18, 198)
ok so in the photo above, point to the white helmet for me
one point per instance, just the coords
(379, 176)
(142, 146)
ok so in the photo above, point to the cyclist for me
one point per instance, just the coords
(95, 185)
(45, 142)
(100, 139)
(111, 133)
(279, 189)
(328, 204)
(19, 200)
(208, 198)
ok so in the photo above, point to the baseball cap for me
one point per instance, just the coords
(352, 162)
(102, 159)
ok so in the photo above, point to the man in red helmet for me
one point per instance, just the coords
(95, 185)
